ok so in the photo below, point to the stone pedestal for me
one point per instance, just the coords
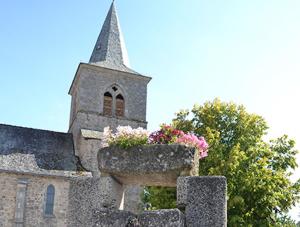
(151, 165)
(204, 200)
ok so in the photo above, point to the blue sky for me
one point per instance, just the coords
(242, 51)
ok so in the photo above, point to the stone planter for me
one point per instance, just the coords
(149, 165)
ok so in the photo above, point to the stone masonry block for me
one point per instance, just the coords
(151, 165)
(132, 198)
(204, 200)
(162, 218)
(111, 192)
(113, 218)
(89, 194)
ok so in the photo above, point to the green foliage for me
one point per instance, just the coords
(160, 197)
(127, 142)
(257, 172)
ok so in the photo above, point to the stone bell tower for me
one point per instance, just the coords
(105, 92)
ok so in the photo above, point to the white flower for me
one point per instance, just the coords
(107, 134)
(124, 131)
(140, 132)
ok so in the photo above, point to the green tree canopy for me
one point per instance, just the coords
(259, 188)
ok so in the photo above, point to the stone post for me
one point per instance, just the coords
(89, 195)
(204, 200)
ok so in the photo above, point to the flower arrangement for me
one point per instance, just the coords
(169, 135)
(126, 137)
(166, 135)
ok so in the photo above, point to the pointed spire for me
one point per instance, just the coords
(110, 50)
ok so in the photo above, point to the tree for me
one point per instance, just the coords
(259, 189)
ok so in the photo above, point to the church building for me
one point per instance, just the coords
(51, 178)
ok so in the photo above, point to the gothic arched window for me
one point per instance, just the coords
(49, 200)
(120, 106)
(114, 102)
(108, 104)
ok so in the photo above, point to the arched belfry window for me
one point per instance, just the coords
(108, 104)
(114, 102)
(119, 105)
(49, 200)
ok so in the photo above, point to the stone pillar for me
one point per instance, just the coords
(20, 202)
(132, 198)
(204, 200)
(89, 195)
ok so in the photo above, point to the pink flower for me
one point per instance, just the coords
(168, 135)
(191, 140)
(203, 154)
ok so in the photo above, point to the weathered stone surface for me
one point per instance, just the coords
(116, 218)
(113, 218)
(157, 165)
(91, 134)
(89, 194)
(88, 88)
(34, 200)
(162, 218)
(87, 146)
(204, 200)
(132, 198)
(27, 149)
(26, 164)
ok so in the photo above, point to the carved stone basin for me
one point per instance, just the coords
(149, 165)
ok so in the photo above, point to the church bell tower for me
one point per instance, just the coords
(106, 92)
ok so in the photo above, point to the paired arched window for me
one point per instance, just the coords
(108, 104)
(114, 103)
(49, 200)
(120, 105)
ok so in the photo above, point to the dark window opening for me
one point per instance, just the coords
(50, 200)
(107, 105)
(120, 106)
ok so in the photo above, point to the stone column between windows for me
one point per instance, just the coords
(20, 202)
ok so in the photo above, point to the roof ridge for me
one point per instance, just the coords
(30, 128)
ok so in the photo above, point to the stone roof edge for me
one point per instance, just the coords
(101, 67)
(25, 127)
(52, 173)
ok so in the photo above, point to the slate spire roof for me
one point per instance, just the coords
(110, 50)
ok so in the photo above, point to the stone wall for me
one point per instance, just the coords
(88, 195)
(49, 150)
(8, 187)
(34, 200)
(92, 81)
